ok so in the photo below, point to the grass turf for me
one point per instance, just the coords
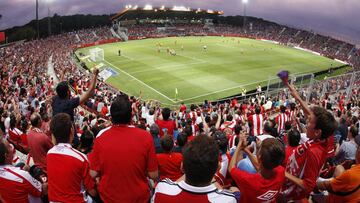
(223, 69)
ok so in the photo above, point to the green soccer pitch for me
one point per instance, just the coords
(221, 70)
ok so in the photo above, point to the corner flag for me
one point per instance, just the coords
(176, 93)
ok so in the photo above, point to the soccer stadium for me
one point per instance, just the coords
(173, 103)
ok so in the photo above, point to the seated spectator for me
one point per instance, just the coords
(266, 184)
(347, 149)
(39, 142)
(345, 186)
(16, 185)
(169, 161)
(123, 157)
(166, 125)
(200, 164)
(154, 131)
(181, 140)
(67, 168)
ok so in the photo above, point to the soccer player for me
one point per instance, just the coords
(199, 165)
(123, 157)
(265, 185)
(205, 47)
(67, 168)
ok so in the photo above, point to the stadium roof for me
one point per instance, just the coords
(148, 11)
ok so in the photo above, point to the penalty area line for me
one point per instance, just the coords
(140, 82)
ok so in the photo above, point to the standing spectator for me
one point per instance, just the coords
(123, 157)
(154, 131)
(293, 141)
(39, 143)
(200, 164)
(67, 168)
(169, 161)
(16, 185)
(257, 122)
(303, 166)
(181, 140)
(343, 129)
(222, 176)
(281, 119)
(345, 187)
(166, 125)
(265, 185)
(62, 102)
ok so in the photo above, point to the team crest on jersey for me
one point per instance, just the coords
(268, 196)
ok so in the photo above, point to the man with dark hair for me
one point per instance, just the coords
(293, 140)
(123, 157)
(166, 125)
(154, 131)
(265, 185)
(181, 140)
(200, 164)
(304, 164)
(222, 175)
(169, 161)
(281, 119)
(256, 122)
(39, 143)
(67, 168)
(62, 103)
(16, 185)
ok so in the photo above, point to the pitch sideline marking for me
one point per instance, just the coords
(140, 82)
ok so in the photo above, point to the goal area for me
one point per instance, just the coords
(96, 54)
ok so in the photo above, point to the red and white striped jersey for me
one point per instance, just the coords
(169, 191)
(17, 185)
(257, 124)
(228, 124)
(222, 176)
(232, 141)
(192, 115)
(281, 119)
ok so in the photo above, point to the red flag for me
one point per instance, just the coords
(2, 36)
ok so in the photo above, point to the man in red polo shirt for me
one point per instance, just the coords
(123, 158)
(38, 142)
(200, 164)
(16, 185)
(67, 168)
(166, 125)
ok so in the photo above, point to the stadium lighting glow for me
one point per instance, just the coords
(162, 7)
(245, 1)
(210, 11)
(180, 8)
(135, 7)
(148, 7)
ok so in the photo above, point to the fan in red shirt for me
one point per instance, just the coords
(166, 125)
(123, 158)
(200, 164)
(304, 165)
(169, 162)
(292, 142)
(265, 185)
(16, 185)
(67, 168)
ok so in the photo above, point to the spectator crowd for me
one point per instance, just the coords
(80, 140)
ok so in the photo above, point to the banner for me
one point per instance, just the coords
(2, 36)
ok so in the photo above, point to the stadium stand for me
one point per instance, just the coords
(27, 90)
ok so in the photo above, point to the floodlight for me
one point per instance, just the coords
(148, 7)
(245, 1)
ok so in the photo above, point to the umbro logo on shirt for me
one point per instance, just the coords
(267, 196)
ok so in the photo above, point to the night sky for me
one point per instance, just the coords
(339, 18)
